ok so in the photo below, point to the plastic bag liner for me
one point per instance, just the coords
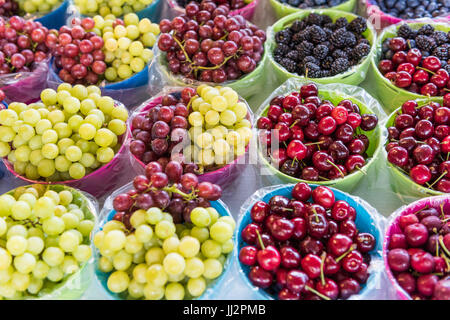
(284, 9)
(99, 182)
(54, 19)
(335, 93)
(173, 9)
(401, 183)
(390, 95)
(355, 75)
(131, 92)
(394, 228)
(213, 288)
(25, 86)
(160, 77)
(72, 287)
(382, 20)
(223, 176)
(367, 220)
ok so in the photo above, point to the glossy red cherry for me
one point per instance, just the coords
(311, 265)
(259, 211)
(247, 255)
(398, 259)
(296, 280)
(339, 244)
(323, 196)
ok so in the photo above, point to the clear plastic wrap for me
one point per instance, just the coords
(223, 176)
(284, 9)
(390, 95)
(73, 286)
(355, 75)
(367, 220)
(247, 86)
(335, 93)
(392, 227)
(213, 290)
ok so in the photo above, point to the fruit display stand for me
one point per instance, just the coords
(283, 9)
(355, 75)
(367, 220)
(390, 95)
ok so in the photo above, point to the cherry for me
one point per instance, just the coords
(317, 225)
(311, 265)
(260, 277)
(442, 289)
(286, 294)
(331, 266)
(296, 150)
(397, 44)
(385, 66)
(431, 63)
(259, 211)
(308, 90)
(249, 233)
(282, 229)
(329, 288)
(299, 228)
(406, 220)
(323, 196)
(422, 262)
(426, 284)
(414, 56)
(407, 282)
(311, 246)
(403, 79)
(247, 255)
(365, 242)
(420, 174)
(296, 280)
(301, 191)
(416, 234)
(348, 287)
(340, 210)
(348, 227)
(362, 274)
(339, 244)
(268, 258)
(398, 259)
(290, 258)
(352, 261)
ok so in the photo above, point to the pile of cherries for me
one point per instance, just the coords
(167, 187)
(419, 253)
(231, 4)
(22, 43)
(208, 44)
(78, 53)
(419, 143)
(157, 131)
(317, 140)
(306, 250)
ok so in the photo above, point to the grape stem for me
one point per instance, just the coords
(215, 67)
(182, 48)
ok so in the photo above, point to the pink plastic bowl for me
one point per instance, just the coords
(247, 11)
(394, 228)
(223, 176)
(381, 20)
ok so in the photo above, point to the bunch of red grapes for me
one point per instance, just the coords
(208, 44)
(301, 250)
(22, 43)
(8, 8)
(317, 140)
(168, 188)
(231, 4)
(157, 132)
(419, 143)
(78, 53)
(419, 253)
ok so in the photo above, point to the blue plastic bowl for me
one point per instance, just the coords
(213, 286)
(364, 221)
(56, 18)
(153, 11)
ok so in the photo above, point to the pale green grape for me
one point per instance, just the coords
(221, 231)
(21, 210)
(105, 155)
(213, 268)
(46, 168)
(16, 245)
(25, 263)
(77, 171)
(41, 270)
(53, 256)
(211, 249)
(200, 217)
(5, 258)
(55, 274)
(122, 260)
(174, 291)
(85, 227)
(164, 229)
(35, 245)
(118, 281)
(196, 286)
(154, 255)
(189, 247)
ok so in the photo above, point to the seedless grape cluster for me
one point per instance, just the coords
(44, 239)
(38, 6)
(115, 7)
(71, 133)
(147, 250)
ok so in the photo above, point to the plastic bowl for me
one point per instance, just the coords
(400, 182)
(354, 75)
(223, 176)
(247, 11)
(394, 228)
(390, 95)
(99, 182)
(350, 181)
(212, 287)
(56, 18)
(284, 9)
(364, 221)
(74, 286)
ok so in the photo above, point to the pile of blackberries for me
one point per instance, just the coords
(317, 47)
(414, 9)
(304, 4)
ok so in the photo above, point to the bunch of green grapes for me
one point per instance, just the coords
(116, 7)
(219, 129)
(127, 44)
(44, 239)
(160, 259)
(72, 132)
(38, 6)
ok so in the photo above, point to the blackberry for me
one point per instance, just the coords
(447, 68)
(360, 51)
(317, 34)
(341, 23)
(326, 19)
(283, 36)
(338, 53)
(314, 19)
(364, 41)
(288, 64)
(350, 40)
(297, 38)
(281, 49)
(293, 55)
(426, 30)
(338, 38)
(278, 58)
(305, 48)
(329, 32)
(440, 37)
(325, 73)
(405, 31)
(311, 59)
(358, 25)
(327, 62)
(320, 52)
(297, 26)
(339, 65)
(330, 26)
(312, 70)
(425, 43)
(441, 52)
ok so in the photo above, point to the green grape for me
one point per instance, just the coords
(87, 131)
(228, 118)
(118, 281)
(68, 242)
(135, 289)
(25, 263)
(49, 151)
(16, 245)
(85, 227)
(122, 260)
(21, 210)
(153, 293)
(213, 268)
(53, 226)
(115, 240)
(46, 168)
(171, 244)
(124, 71)
(53, 256)
(23, 153)
(31, 116)
(194, 267)
(79, 91)
(77, 171)
(104, 137)
(5, 257)
(133, 32)
(49, 136)
(63, 130)
(105, 265)
(137, 64)
(154, 215)
(144, 233)
(149, 39)
(164, 229)
(20, 281)
(42, 126)
(136, 48)
(147, 54)
(5, 149)
(35, 143)
(3, 227)
(120, 113)
(41, 270)
(228, 220)
(221, 231)
(35, 245)
(105, 155)
(132, 245)
(7, 134)
(73, 153)
(8, 117)
(211, 249)
(200, 217)
(218, 103)
(17, 230)
(174, 291)
(154, 255)
(87, 160)
(69, 265)
(212, 117)
(55, 274)
(62, 164)
(117, 126)
(196, 286)
(189, 247)
(174, 263)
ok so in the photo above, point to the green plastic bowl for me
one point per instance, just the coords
(390, 95)
(400, 182)
(282, 10)
(349, 182)
(353, 76)
(71, 287)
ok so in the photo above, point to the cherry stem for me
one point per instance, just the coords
(441, 242)
(446, 261)
(324, 297)
(448, 154)
(322, 275)
(427, 70)
(361, 170)
(313, 143)
(426, 207)
(182, 48)
(440, 177)
(442, 210)
(337, 168)
(345, 254)
(261, 243)
(323, 178)
(294, 123)
(437, 248)
(315, 212)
